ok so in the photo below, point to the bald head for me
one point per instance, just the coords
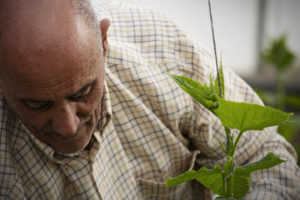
(11, 11)
(25, 24)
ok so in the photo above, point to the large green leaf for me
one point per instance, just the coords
(245, 116)
(210, 178)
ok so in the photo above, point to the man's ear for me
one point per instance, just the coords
(104, 25)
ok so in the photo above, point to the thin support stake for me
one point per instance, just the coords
(215, 48)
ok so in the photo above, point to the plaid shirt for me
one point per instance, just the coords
(150, 129)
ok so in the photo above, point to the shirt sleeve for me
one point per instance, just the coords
(205, 131)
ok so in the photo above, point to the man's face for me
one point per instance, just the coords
(55, 85)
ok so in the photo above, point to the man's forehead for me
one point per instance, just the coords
(55, 36)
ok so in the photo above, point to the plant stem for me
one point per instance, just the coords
(230, 178)
(229, 142)
(236, 142)
(224, 184)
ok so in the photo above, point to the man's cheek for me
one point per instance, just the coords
(28, 117)
(34, 120)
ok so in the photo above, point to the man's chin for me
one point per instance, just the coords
(72, 147)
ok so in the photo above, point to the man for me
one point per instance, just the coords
(82, 118)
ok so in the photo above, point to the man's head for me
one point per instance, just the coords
(52, 68)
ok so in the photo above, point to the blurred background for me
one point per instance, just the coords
(259, 40)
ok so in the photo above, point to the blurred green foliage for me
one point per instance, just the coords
(278, 56)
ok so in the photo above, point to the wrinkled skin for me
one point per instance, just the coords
(53, 73)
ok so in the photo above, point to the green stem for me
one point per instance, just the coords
(236, 142)
(229, 141)
(230, 159)
(224, 184)
(230, 181)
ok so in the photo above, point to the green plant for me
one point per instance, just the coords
(229, 181)
(281, 58)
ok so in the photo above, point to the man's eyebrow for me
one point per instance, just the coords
(83, 89)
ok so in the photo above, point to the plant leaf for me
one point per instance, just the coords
(251, 116)
(266, 162)
(242, 182)
(181, 178)
(221, 81)
(203, 94)
(288, 130)
(210, 178)
(242, 175)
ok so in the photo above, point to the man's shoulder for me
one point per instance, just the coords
(102, 7)
(140, 36)
(127, 19)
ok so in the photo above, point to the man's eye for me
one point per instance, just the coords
(38, 105)
(81, 95)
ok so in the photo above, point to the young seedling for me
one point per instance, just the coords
(229, 181)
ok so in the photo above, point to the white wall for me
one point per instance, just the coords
(235, 23)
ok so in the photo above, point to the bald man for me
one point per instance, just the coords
(81, 119)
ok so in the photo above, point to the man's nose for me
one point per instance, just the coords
(66, 122)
